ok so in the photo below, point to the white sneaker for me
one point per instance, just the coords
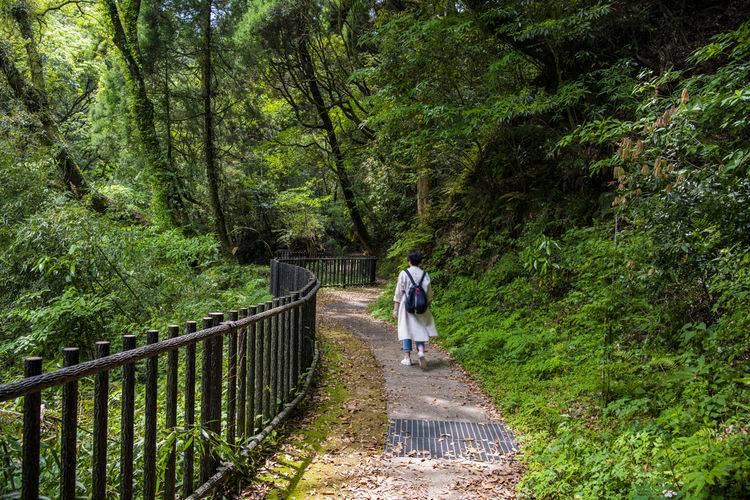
(406, 361)
(422, 362)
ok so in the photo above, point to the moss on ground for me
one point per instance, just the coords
(344, 418)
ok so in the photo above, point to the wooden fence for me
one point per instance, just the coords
(254, 367)
(336, 271)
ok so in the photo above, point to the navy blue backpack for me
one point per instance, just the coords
(416, 298)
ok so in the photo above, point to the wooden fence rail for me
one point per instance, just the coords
(336, 271)
(254, 367)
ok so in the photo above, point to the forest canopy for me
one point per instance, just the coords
(576, 171)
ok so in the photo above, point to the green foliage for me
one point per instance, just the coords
(415, 238)
(612, 392)
(73, 278)
(619, 347)
(586, 227)
(541, 258)
(303, 220)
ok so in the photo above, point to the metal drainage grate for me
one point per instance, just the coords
(445, 439)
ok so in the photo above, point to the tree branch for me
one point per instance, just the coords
(63, 5)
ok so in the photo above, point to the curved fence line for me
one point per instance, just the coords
(226, 468)
(335, 271)
(253, 369)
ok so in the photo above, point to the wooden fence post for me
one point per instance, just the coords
(217, 381)
(242, 379)
(206, 405)
(149, 430)
(272, 278)
(188, 458)
(127, 417)
(101, 413)
(287, 351)
(281, 353)
(345, 271)
(267, 354)
(171, 415)
(69, 432)
(32, 404)
(294, 338)
(254, 369)
(232, 381)
(274, 359)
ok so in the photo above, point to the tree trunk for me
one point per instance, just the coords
(34, 98)
(167, 103)
(360, 228)
(167, 197)
(212, 172)
(22, 15)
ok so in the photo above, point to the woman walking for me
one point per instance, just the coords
(415, 322)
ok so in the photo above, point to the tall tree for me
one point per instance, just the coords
(33, 95)
(158, 38)
(287, 37)
(209, 149)
(168, 199)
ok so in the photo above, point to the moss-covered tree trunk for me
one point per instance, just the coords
(34, 97)
(167, 109)
(209, 150)
(167, 198)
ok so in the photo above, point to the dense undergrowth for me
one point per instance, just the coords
(576, 170)
(71, 278)
(612, 395)
(619, 347)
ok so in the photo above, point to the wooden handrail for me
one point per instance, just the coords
(268, 348)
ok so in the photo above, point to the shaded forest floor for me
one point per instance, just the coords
(336, 449)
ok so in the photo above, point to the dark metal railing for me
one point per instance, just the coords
(336, 271)
(287, 253)
(261, 360)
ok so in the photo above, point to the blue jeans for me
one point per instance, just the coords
(407, 345)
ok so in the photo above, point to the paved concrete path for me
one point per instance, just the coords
(442, 392)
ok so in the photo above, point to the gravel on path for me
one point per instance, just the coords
(442, 392)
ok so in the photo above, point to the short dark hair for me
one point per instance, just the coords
(415, 257)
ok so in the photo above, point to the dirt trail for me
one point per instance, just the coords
(338, 450)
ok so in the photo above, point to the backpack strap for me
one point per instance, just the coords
(412, 279)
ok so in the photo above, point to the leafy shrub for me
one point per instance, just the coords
(612, 392)
(73, 278)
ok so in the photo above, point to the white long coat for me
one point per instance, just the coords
(417, 327)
